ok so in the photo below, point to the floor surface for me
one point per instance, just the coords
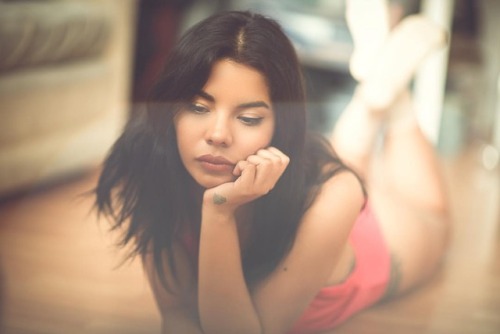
(59, 269)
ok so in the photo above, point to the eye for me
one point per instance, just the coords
(197, 108)
(250, 121)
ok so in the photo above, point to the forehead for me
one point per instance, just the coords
(229, 78)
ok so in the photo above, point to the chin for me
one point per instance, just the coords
(212, 181)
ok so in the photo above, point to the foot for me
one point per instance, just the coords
(368, 22)
(405, 48)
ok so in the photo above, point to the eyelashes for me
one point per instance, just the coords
(246, 120)
(197, 108)
(251, 121)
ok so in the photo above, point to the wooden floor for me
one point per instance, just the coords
(57, 267)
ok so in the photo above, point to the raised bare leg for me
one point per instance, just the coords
(407, 193)
(402, 176)
(384, 79)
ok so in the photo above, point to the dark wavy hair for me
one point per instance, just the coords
(144, 185)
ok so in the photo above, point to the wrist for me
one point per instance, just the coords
(218, 204)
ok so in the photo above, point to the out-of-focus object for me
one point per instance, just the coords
(64, 86)
(430, 80)
(491, 152)
(496, 129)
(318, 28)
(490, 157)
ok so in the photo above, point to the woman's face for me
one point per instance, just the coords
(228, 120)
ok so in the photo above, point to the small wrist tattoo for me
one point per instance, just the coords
(219, 199)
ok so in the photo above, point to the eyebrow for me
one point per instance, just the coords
(248, 105)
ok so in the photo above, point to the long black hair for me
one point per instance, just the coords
(145, 187)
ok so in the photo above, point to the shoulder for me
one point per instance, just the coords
(317, 249)
(318, 246)
(342, 192)
(335, 207)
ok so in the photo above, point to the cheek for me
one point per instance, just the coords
(258, 141)
(269, 134)
(182, 142)
(266, 140)
(183, 132)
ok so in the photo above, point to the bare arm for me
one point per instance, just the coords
(225, 303)
(178, 306)
(320, 241)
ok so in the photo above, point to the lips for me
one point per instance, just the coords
(215, 163)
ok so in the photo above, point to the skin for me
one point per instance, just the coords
(383, 99)
(412, 211)
(218, 299)
(229, 120)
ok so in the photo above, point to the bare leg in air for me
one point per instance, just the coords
(378, 136)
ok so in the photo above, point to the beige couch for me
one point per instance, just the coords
(64, 86)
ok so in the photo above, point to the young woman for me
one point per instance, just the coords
(245, 222)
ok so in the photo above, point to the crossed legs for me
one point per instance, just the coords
(379, 137)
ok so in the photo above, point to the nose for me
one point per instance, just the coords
(218, 131)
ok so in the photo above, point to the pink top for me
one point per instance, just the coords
(364, 286)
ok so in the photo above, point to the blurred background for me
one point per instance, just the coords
(73, 71)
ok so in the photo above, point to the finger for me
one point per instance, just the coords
(240, 165)
(269, 168)
(247, 178)
(266, 162)
(258, 160)
(277, 161)
(270, 155)
(284, 158)
(275, 157)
